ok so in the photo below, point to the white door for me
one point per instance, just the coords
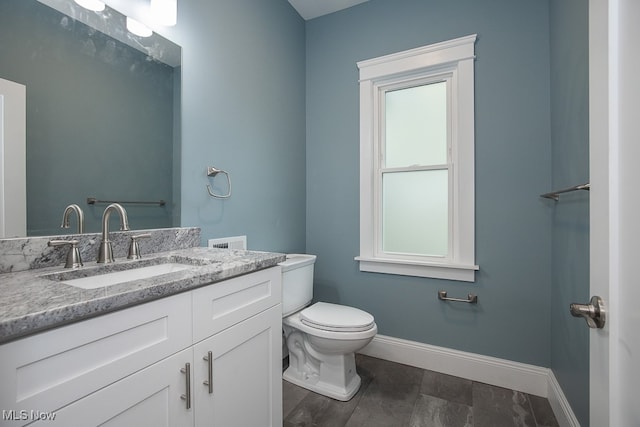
(614, 209)
(13, 193)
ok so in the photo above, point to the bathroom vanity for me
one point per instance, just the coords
(198, 346)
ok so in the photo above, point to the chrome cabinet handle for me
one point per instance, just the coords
(209, 380)
(594, 312)
(187, 371)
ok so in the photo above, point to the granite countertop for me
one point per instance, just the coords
(36, 300)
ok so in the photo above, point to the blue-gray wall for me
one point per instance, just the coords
(513, 166)
(243, 111)
(281, 115)
(570, 166)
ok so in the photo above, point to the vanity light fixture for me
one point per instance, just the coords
(164, 12)
(138, 28)
(95, 5)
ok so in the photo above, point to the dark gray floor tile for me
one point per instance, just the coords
(431, 411)
(542, 411)
(385, 404)
(318, 411)
(393, 394)
(384, 371)
(500, 407)
(447, 387)
(292, 395)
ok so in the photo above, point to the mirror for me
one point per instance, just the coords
(103, 114)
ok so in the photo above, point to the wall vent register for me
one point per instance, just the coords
(234, 242)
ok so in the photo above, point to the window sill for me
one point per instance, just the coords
(460, 272)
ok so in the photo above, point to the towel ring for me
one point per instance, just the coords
(212, 171)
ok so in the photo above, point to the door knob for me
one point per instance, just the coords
(594, 312)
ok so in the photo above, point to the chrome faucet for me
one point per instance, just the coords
(67, 213)
(105, 253)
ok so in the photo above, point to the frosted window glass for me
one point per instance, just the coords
(415, 212)
(416, 126)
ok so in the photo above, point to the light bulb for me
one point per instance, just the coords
(165, 12)
(138, 28)
(95, 5)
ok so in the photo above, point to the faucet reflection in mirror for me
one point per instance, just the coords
(67, 212)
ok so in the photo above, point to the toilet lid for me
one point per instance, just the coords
(334, 317)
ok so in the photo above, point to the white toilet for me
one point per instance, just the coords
(322, 338)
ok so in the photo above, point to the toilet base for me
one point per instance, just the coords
(311, 382)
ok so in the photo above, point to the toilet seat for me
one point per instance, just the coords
(336, 318)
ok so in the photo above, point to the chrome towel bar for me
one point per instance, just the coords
(555, 195)
(93, 201)
(471, 298)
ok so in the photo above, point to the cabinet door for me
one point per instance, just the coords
(48, 371)
(246, 370)
(150, 397)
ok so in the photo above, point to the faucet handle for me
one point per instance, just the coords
(134, 249)
(74, 260)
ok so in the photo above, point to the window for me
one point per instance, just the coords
(417, 162)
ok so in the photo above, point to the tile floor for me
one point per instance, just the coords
(393, 394)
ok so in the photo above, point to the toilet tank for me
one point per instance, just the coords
(297, 282)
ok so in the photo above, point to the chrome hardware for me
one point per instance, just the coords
(93, 201)
(67, 213)
(187, 371)
(134, 248)
(471, 299)
(594, 312)
(105, 253)
(74, 260)
(211, 172)
(555, 195)
(209, 381)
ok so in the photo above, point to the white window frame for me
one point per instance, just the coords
(451, 60)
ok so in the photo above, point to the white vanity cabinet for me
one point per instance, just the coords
(132, 367)
(238, 333)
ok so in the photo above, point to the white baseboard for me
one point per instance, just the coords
(561, 408)
(526, 378)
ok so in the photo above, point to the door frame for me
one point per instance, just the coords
(614, 91)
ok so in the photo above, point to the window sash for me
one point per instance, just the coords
(418, 224)
(381, 169)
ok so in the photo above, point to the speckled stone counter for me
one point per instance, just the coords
(36, 300)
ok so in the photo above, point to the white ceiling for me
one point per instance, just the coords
(310, 9)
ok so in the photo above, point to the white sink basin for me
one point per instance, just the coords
(116, 277)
